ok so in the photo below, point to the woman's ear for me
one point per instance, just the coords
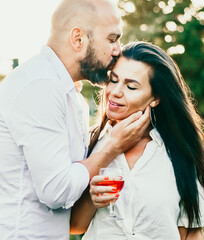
(76, 35)
(155, 102)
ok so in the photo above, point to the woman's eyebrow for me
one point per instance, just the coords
(114, 74)
(127, 80)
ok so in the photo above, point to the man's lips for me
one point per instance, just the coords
(112, 63)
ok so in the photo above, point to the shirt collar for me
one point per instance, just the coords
(59, 67)
(106, 129)
(154, 134)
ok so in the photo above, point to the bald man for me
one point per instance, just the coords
(43, 152)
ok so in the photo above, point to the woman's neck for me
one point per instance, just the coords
(134, 153)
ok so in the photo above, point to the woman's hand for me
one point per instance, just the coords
(102, 195)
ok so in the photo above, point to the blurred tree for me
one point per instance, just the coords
(177, 26)
(1, 77)
(91, 93)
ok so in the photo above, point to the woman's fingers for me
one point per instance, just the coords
(98, 178)
(102, 195)
(100, 201)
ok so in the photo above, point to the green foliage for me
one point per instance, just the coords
(75, 237)
(92, 95)
(90, 91)
(177, 26)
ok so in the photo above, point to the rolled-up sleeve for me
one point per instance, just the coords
(37, 122)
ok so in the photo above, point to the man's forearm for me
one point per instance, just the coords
(100, 159)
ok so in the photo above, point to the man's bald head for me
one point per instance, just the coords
(85, 36)
(85, 14)
(80, 13)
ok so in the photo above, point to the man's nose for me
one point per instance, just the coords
(116, 48)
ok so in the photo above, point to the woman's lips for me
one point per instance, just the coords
(113, 104)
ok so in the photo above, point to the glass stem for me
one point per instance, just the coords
(112, 213)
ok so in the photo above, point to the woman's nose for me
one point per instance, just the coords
(117, 91)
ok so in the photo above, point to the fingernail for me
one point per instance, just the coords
(138, 114)
(117, 195)
(114, 189)
(106, 178)
(120, 177)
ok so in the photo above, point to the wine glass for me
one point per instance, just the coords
(114, 180)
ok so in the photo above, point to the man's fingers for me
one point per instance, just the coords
(130, 130)
(142, 123)
(132, 118)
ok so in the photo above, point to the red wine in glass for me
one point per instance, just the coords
(114, 175)
(117, 184)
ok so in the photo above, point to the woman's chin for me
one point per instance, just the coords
(115, 119)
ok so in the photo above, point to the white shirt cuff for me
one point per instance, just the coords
(80, 180)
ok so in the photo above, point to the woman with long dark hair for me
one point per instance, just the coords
(163, 195)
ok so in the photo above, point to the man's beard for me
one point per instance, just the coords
(93, 69)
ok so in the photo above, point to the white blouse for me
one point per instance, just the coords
(149, 200)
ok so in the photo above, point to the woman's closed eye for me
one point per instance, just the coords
(113, 80)
(113, 77)
(131, 87)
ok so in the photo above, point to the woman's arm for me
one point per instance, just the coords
(194, 234)
(85, 208)
(82, 214)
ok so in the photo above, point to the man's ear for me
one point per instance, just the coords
(155, 102)
(76, 35)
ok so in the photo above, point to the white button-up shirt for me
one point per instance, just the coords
(149, 200)
(42, 136)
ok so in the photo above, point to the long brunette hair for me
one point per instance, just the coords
(180, 127)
